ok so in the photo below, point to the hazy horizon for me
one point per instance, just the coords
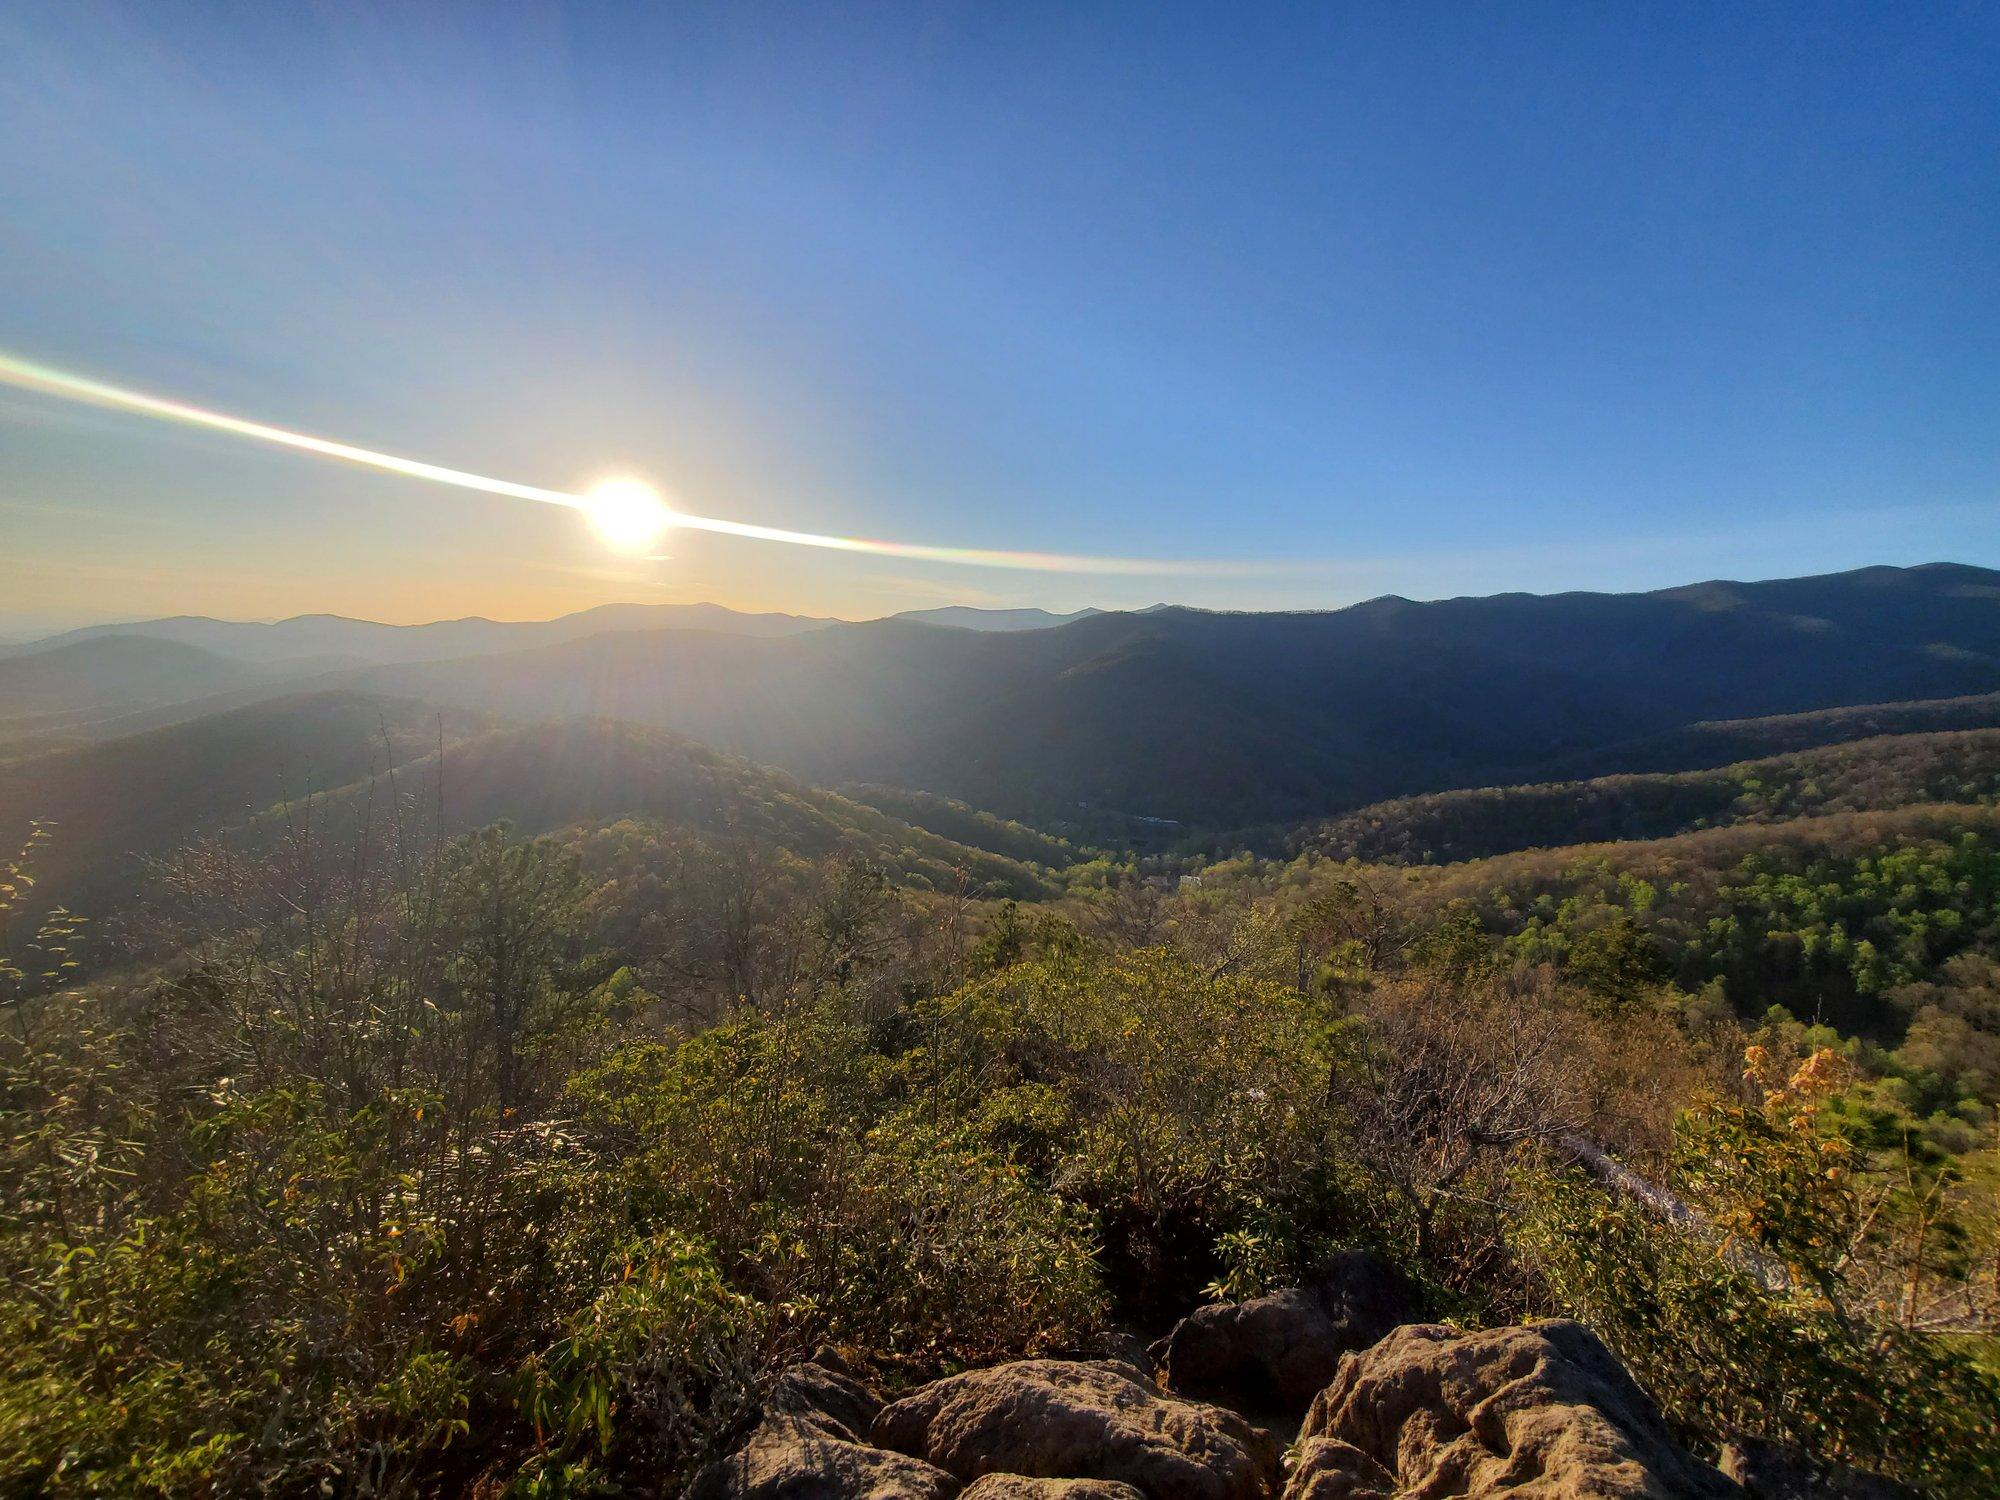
(20, 630)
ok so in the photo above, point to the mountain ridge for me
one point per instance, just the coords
(1173, 716)
(371, 641)
(325, 634)
(1220, 719)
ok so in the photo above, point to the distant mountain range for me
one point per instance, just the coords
(965, 617)
(1176, 718)
(1221, 720)
(339, 640)
(333, 640)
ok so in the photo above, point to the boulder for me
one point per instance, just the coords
(811, 1444)
(1542, 1411)
(1276, 1353)
(790, 1460)
(1365, 1295)
(826, 1396)
(1772, 1471)
(1327, 1469)
(1072, 1419)
(1021, 1487)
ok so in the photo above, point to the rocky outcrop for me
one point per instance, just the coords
(1068, 1419)
(811, 1444)
(1772, 1471)
(1276, 1353)
(1542, 1411)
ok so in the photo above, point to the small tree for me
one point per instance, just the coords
(1451, 1070)
(512, 915)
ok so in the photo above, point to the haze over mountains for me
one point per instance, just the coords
(119, 684)
(1205, 721)
(103, 680)
(121, 803)
(336, 638)
(965, 617)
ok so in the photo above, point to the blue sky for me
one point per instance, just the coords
(1422, 299)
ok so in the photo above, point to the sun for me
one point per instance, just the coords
(627, 514)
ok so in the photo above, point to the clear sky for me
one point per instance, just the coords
(1407, 298)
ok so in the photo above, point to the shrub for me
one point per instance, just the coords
(1179, 1106)
(1742, 1317)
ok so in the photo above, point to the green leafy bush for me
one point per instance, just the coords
(1180, 1106)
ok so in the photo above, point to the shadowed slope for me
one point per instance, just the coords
(115, 805)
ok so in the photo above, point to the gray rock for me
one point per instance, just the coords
(1365, 1295)
(1772, 1471)
(1125, 1348)
(1276, 1353)
(1070, 1419)
(1021, 1487)
(810, 1444)
(821, 1394)
(787, 1459)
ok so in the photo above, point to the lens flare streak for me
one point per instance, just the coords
(27, 375)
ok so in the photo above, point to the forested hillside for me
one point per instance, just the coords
(541, 778)
(968, 825)
(1832, 917)
(1868, 775)
(1721, 742)
(532, 1162)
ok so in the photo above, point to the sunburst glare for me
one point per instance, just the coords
(627, 514)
